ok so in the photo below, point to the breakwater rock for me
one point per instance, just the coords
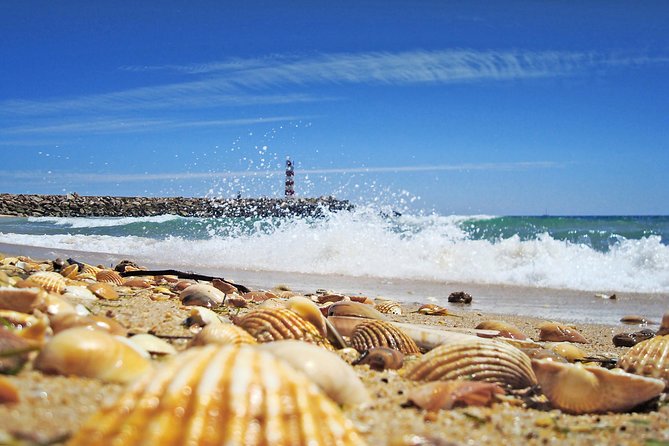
(74, 205)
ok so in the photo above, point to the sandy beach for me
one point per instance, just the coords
(53, 407)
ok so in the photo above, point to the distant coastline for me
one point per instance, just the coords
(74, 205)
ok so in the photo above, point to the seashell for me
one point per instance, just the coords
(475, 359)
(648, 358)
(103, 291)
(664, 325)
(183, 284)
(87, 277)
(70, 271)
(126, 265)
(93, 354)
(202, 295)
(223, 334)
(224, 287)
(375, 333)
(309, 312)
(354, 309)
(448, 394)
(633, 319)
(389, 307)
(362, 299)
(9, 393)
(631, 339)
(505, 329)
(325, 298)
(433, 310)
(61, 322)
(259, 296)
(23, 300)
(552, 331)
(460, 297)
(109, 276)
(139, 282)
(275, 324)
(543, 353)
(89, 269)
(200, 317)
(48, 281)
(78, 292)
(568, 351)
(428, 337)
(381, 358)
(235, 301)
(217, 395)
(14, 351)
(579, 389)
(334, 376)
(152, 344)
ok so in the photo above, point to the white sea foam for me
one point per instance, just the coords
(100, 222)
(432, 248)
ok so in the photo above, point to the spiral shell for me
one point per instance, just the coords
(223, 334)
(92, 353)
(648, 358)
(220, 395)
(388, 307)
(109, 276)
(475, 359)
(375, 333)
(275, 324)
(580, 389)
(48, 280)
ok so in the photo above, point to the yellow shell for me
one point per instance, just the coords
(580, 389)
(374, 333)
(48, 280)
(217, 395)
(109, 276)
(274, 324)
(648, 358)
(94, 354)
(388, 307)
(70, 271)
(475, 359)
(223, 334)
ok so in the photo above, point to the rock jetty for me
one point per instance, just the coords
(74, 205)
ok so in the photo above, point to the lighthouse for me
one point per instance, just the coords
(290, 179)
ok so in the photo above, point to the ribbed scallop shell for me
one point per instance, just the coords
(388, 307)
(215, 395)
(275, 324)
(475, 359)
(648, 358)
(109, 276)
(49, 281)
(373, 333)
(223, 334)
(580, 389)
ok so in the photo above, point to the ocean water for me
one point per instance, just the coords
(626, 254)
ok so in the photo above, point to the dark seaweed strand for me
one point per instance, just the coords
(182, 275)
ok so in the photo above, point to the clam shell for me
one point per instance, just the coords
(63, 321)
(48, 280)
(275, 324)
(381, 358)
(648, 358)
(354, 309)
(579, 389)
(447, 394)
(79, 292)
(475, 359)
(551, 331)
(223, 334)
(505, 329)
(94, 354)
(152, 344)
(109, 276)
(374, 333)
(334, 376)
(217, 395)
(103, 291)
(388, 307)
(202, 295)
(24, 300)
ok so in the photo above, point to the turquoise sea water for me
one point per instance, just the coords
(627, 253)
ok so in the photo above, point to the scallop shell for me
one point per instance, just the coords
(551, 331)
(580, 389)
(375, 333)
(103, 291)
(223, 334)
(70, 271)
(275, 324)
(334, 376)
(505, 329)
(202, 295)
(388, 307)
(109, 276)
(94, 354)
(648, 358)
(48, 280)
(475, 359)
(220, 395)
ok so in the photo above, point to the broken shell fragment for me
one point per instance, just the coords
(24, 300)
(475, 359)
(648, 358)
(334, 376)
(152, 344)
(505, 329)
(93, 354)
(448, 394)
(220, 395)
(78, 292)
(202, 295)
(103, 291)
(63, 321)
(632, 339)
(580, 389)
(374, 333)
(433, 310)
(381, 358)
(552, 331)
(223, 334)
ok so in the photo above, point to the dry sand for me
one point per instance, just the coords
(52, 407)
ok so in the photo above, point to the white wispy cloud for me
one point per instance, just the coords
(239, 81)
(95, 177)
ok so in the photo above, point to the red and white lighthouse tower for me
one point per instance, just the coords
(290, 179)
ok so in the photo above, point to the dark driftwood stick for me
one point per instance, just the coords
(181, 275)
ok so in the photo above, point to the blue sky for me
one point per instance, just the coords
(465, 107)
